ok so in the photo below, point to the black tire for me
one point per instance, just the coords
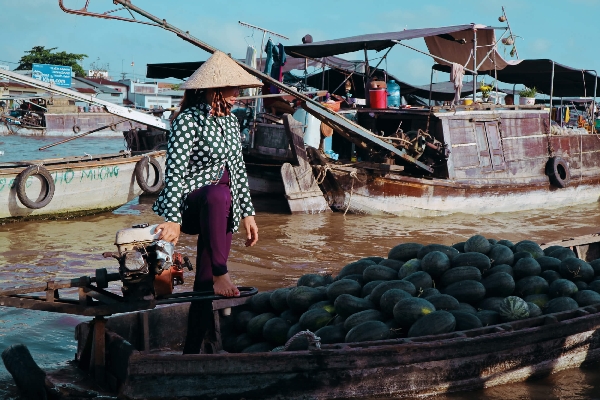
(45, 196)
(76, 129)
(141, 168)
(558, 171)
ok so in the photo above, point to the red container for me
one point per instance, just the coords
(378, 98)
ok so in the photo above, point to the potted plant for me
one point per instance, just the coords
(527, 96)
(485, 92)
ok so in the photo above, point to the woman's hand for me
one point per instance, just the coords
(251, 230)
(169, 231)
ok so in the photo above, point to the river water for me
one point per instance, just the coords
(289, 246)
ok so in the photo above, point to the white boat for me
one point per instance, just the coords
(77, 185)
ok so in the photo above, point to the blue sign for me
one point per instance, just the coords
(59, 75)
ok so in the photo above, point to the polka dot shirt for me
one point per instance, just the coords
(199, 146)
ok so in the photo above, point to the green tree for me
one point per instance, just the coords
(42, 55)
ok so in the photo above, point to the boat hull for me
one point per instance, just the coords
(81, 186)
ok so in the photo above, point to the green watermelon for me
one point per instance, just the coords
(355, 268)
(405, 251)
(493, 241)
(465, 320)
(293, 330)
(428, 292)
(241, 342)
(596, 267)
(256, 325)
(323, 305)
(343, 286)
(468, 291)
(383, 287)
(275, 331)
(563, 254)
(550, 249)
(393, 264)
(409, 267)
(478, 260)
(550, 275)
(581, 285)
(262, 347)
(531, 247)
(302, 297)
(595, 286)
(466, 307)
(477, 244)
(500, 254)
(513, 308)
(526, 267)
(261, 302)
(314, 280)
(491, 303)
(460, 246)
(363, 316)
(315, 319)
(421, 280)
(390, 298)
(346, 305)
(531, 285)
(576, 269)
(331, 334)
(538, 299)
(241, 320)
(435, 263)
(443, 302)
(368, 331)
(548, 263)
(499, 268)
(375, 259)
(507, 243)
(290, 316)
(560, 304)
(522, 254)
(458, 274)
(355, 277)
(451, 252)
(586, 298)
(379, 273)
(278, 299)
(534, 310)
(488, 317)
(500, 284)
(436, 323)
(408, 311)
(562, 287)
(368, 288)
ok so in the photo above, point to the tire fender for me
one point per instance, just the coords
(558, 172)
(45, 196)
(76, 129)
(141, 176)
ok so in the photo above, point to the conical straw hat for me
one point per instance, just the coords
(220, 71)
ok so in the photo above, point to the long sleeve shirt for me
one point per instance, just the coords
(199, 146)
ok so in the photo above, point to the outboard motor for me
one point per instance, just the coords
(148, 267)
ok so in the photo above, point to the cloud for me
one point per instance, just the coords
(540, 46)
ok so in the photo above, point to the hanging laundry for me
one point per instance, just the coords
(269, 60)
(567, 116)
(278, 62)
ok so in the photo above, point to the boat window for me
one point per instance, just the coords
(495, 145)
(482, 145)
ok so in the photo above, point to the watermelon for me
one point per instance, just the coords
(323, 305)
(538, 299)
(383, 287)
(500, 284)
(460, 246)
(493, 241)
(534, 310)
(293, 330)
(550, 275)
(405, 251)
(390, 298)
(262, 347)
(522, 254)
(586, 298)
(595, 286)
(478, 260)
(477, 244)
(596, 266)
(275, 331)
(468, 291)
(379, 273)
(435, 263)
(407, 311)
(241, 320)
(355, 268)
(375, 259)
(368, 288)
(576, 269)
(466, 307)
(513, 308)
(548, 263)
(393, 264)
(443, 302)
(363, 316)
(451, 252)
(550, 249)
(526, 267)
(488, 317)
(563, 254)
(368, 331)
(428, 292)
(500, 254)
(409, 267)
(560, 304)
(562, 287)
(491, 303)
(355, 277)
(314, 280)
(298, 344)
(581, 285)
(346, 305)
(436, 323)
(332, 334)
(256, 325)
(342, 286)
(302, 297)
(315, 319)
(261, 303)
(290, 316)
(278, 299)
(241, 342)
(531, 247)
(499, 268)
(465, 320)
(531, 285)
(507, 243)
(421, 280)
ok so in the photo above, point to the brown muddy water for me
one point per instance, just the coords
(289, 246)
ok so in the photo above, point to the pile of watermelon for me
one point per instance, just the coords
(418, 291)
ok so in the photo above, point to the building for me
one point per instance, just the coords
(147, 95)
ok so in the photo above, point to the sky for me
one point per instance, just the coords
(563, 30)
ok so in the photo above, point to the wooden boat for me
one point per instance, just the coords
(76, 185)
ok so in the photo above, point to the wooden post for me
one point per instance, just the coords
(144, 332)
(99, 353)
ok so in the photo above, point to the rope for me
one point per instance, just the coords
(313, 340)
(322, 173)
(353, 176)
(87, 155)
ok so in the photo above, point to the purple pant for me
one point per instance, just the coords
(208, 215)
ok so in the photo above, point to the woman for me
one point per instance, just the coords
(206, 187)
